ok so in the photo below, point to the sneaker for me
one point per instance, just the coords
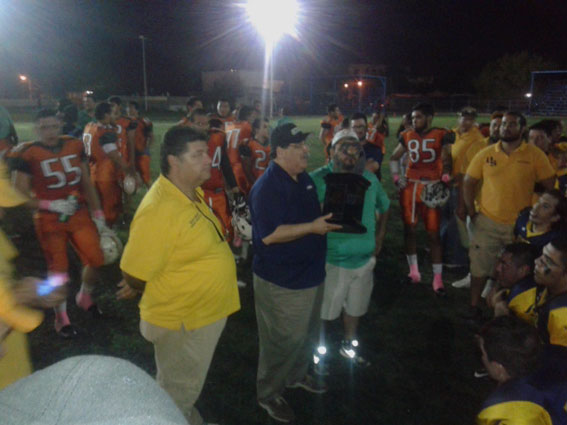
(481, 373)
(311, 384)
(278, 409)
(68, 332)
(465, 282)
(349, 350)
(240, 284)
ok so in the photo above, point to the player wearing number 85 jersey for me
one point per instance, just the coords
(429, 162)
(55, 170)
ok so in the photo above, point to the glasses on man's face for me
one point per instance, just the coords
(49, 127)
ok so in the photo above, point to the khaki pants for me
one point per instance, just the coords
(182, 359)
(288, 327)
(488, 238)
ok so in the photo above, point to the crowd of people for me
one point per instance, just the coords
(492, 198)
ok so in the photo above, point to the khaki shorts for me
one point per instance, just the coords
(488, 238)
(349, 289)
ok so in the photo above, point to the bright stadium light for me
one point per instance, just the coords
(359, 84)
(528, 95)
(346, 86)
(23, 77)
(273, 18)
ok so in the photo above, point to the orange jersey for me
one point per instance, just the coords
(376, 138)
(236, 134)
(216, 146)
(55, 170)
(424, 153)
(260, 155)
(99, 140)
(144, 127)
(123, 126)
(333, 123)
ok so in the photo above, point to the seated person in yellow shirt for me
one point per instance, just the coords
(515, 287)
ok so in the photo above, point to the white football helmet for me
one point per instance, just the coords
(129, 185)
(435, 195)
(241, 220)
(111, 246)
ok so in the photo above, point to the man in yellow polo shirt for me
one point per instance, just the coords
(178, 258)
(509, 170)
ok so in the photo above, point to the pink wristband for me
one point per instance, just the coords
(98, 214)
(445, 178)
(44, 204)
(396, 178)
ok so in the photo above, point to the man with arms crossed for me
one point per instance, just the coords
(509, 170)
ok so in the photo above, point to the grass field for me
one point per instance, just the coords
(422, 355)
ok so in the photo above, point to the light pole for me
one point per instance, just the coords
(143, 39)
(26, 79)
(272, 19)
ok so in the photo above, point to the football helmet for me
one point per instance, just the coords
(110, 245)
(129, 184)
(241, 220)
(435, 195)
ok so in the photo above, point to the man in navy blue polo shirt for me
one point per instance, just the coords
(289, 269)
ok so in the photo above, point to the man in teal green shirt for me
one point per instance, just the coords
(87, 115)
(351, 257)
(8, 137)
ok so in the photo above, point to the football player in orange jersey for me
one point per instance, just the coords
(126, 130)
(237, 133)
(372, 143)
(429, 162)
(107, 165)
(193, 103)
(55, 170)
(143, 140)
(329, 126)
(223, 111)
(256, 153)
(221, 173)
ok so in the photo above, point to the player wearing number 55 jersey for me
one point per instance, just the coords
(107, 165)
(55, 170)
(429, 162)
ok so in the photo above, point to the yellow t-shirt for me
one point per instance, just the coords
(508, 180)
(463, 141)
(176, 246)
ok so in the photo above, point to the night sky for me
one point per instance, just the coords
(74, 45)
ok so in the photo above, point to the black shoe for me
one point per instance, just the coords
(69, 332)
(95, 312)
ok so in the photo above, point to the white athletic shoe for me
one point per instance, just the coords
(241, 284)
(465, 282)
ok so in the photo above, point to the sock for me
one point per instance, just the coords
(61, 317)
(414, 274)
(412, 259)
(84, 300)
(244, 250)
(437, 276)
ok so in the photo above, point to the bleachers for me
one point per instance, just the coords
(552, 100)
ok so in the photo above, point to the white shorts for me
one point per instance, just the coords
(349, 289)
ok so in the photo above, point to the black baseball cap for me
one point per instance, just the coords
(285, 135)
